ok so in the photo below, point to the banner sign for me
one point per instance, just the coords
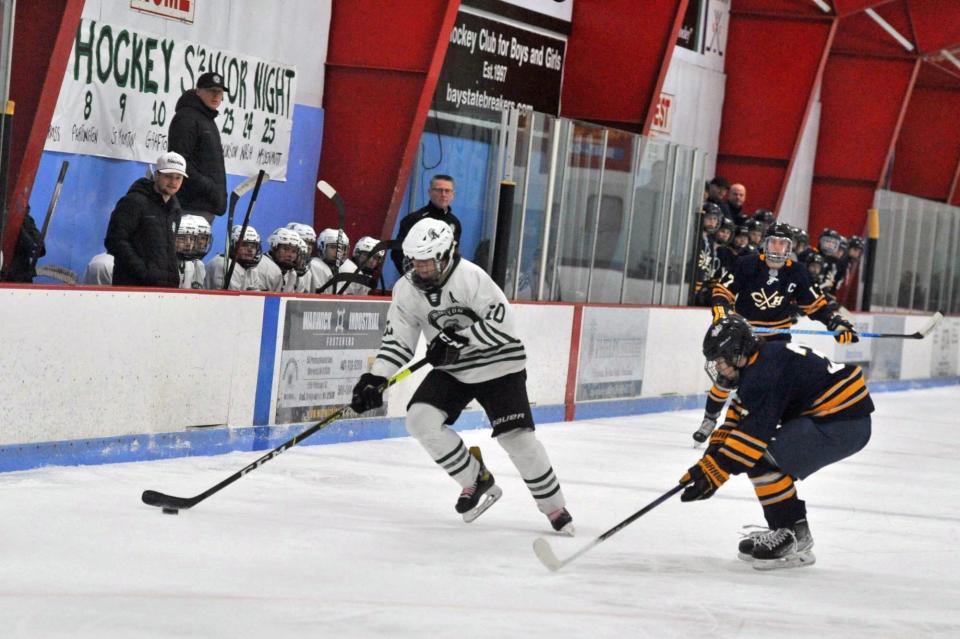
(121, 88)
(326, 346)
(612, 347)
(491, 66)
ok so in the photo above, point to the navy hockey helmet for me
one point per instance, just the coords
(856, 242)
(728, 340)
(764, 215)
(829, 241)
(777, 244)
(711, 217)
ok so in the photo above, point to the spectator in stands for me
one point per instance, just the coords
(99, 271)
(141, 235)
(196, 136)
(438, 208)
(29, 246)
(717, 193)
(736, 197)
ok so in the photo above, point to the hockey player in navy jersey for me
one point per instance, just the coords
(795, 412)
(763, 288)
(476, 354)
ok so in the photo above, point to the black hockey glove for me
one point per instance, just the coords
(445, 348)
(707, 477)
(368, 393)
(846, 335)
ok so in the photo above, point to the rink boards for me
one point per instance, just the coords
(106, 375)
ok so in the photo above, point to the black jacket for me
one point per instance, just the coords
(142, 238)
(194, 135)
(410, 219)
(21, 267)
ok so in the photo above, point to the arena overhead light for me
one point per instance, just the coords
(886, 26)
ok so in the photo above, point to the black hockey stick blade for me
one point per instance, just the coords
(171, 502)
(54, 199)
(541, 547)
(231, 258)
(331, 193)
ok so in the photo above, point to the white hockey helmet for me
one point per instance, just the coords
(364, 256)
(303, 256)
(429, 239)
(284, 238)
(338, 243)
(193, 237)
(248, 251)
(306, 233)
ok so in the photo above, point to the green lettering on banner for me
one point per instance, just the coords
(149, 85)
(104, 70)
(136, 74)
(188, 54)
(166, 48)
(120, 78)
(81, 50)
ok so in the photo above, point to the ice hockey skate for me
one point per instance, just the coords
(562, 522)
(784, 548)
(476, 498)
(746, 545)
(703, 433)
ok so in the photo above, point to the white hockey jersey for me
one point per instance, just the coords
(274, 277)
(470, 302)
(318, 274)
(192, 274)
(243, 279)
(100, 270)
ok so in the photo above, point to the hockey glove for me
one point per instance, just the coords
(706, 476)
(445, 348)
(368, 393)
(846, 335)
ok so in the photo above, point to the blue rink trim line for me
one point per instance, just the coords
(221, 440)
(268, 353)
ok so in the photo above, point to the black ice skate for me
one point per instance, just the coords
(703, 433)
(562, 522)
(745, 548)
(784, 548)
(483, 493)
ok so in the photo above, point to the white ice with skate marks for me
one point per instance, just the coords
(362, 540)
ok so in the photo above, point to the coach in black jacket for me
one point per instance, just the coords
(438, 208)
(143, 228)
(194, 135)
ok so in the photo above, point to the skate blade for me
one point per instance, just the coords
(489, 499)
(798, 560)
(567, 531)
(742, 556)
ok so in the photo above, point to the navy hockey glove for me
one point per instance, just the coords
(846, 335)
(707, 477)
(368, 393)
(445, 348)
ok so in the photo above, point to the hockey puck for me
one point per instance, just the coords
(171, 511)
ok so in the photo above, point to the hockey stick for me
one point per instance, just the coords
(331, 194)
(261, 176)
(50, 209)
(925, 330)
(549, 559)
(237, 193)
(171, 504)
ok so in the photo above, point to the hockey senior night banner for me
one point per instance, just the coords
(327, 345)
(121, 87)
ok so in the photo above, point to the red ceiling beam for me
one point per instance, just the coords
(43, 37)
(383, 61)
(864, 101)
(928, 148)
(618, 54)
(774, 61)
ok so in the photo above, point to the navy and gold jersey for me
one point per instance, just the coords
(763, 295)
(783, 381)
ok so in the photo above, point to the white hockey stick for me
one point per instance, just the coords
(331, 193)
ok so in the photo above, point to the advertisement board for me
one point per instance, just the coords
(612, 348)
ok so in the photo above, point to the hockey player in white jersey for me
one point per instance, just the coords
(247, 274)
(193, 244)
(365, 262)
(309, 239)
(281, 259)
(99, 271)
(472, 345)
(332, 248)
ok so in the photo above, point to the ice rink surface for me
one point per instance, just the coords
(361, 540)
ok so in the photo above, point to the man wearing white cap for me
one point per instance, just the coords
(142, 234)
